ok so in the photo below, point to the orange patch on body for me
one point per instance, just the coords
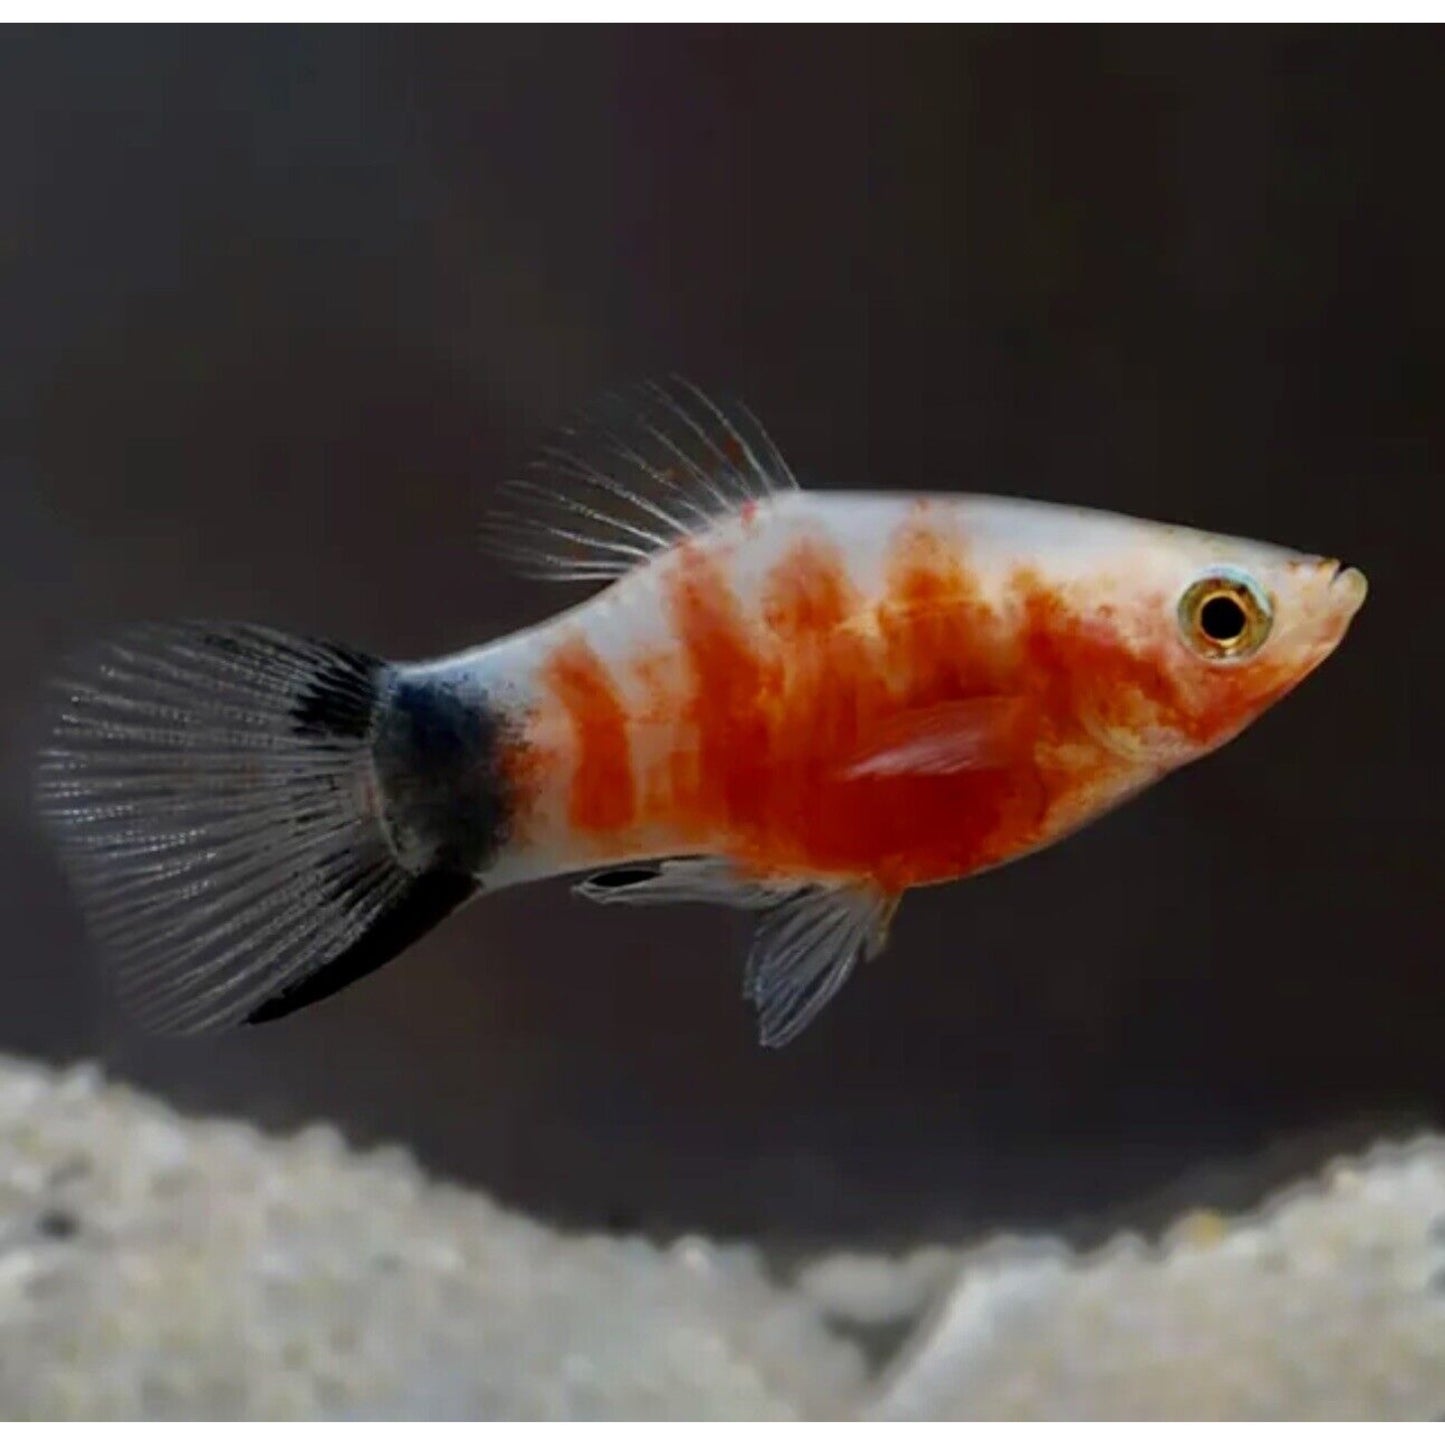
(766, 713)
(601, 796)
(1127, 689)
(777, 710)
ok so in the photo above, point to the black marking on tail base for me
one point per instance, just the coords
(252, 821)
(446, 806)
(438, 750)
(326, 706)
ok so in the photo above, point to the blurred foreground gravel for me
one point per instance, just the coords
(154, 1266)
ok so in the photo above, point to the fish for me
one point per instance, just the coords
(798, 703)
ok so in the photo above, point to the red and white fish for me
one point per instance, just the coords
(798, 703)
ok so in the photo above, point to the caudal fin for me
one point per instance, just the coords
(213, 793)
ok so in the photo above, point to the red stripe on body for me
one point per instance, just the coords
(840, 667)
(601, 797)
(764, 711)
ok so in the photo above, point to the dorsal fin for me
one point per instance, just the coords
(635, 474)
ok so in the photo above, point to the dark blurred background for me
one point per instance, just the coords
(282, 306)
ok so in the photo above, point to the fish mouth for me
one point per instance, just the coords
(1348, 584)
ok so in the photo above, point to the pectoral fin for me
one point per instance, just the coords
(950, 737)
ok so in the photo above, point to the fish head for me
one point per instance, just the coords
(1177, 639)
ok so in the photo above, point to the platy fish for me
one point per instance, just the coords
(801, 704)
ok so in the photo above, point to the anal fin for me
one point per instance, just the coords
(804, 950)
(809, 938)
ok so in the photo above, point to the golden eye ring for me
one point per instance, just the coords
(1225, 616)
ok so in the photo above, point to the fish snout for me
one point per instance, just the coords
(1347, 584)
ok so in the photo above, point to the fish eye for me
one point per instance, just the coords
(1224, 616)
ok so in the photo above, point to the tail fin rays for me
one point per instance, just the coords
(212, 793)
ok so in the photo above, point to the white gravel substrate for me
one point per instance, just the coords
(153, 1266)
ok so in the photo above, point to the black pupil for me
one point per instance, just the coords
(1222, 619)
